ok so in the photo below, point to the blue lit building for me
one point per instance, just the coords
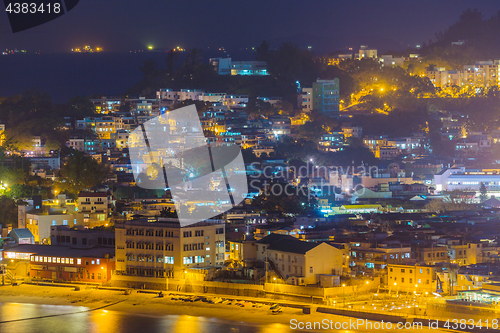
(225, 66)
(326, 97)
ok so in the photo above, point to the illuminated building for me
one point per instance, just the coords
(352, 131)
(221, 65)
(461, 178)
(373, 259)
(365, 52)
(431, 255)
(2, 134)
(409, 278)
(163, 249)
(225, 66)
(280, 125)
(38, 216)
(64, 263)
(391, 61)
(325, 97)
(106, 105)
(331, 141)
(299, 262)
(95, 207)
(483, 74)
(22, 236)
(168, 97)
(85, 145)
(306, 99)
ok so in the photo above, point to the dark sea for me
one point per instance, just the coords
(66, 75)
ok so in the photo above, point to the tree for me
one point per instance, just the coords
(483, 192)
(8, 211)
(285, 198)
(312, 130)
(168, 212)
(262, 51)
(148, 67)
(80, 107)
(454, 200)
(171, 59)
(430, 67)
(81, 172)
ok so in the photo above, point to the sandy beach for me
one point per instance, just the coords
(150, 305)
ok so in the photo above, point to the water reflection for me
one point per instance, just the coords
(79, 320)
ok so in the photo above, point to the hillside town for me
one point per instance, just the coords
(351, 202)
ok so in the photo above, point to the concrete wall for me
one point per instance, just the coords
(270, 290)
(363, 315)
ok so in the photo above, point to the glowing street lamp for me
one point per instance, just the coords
(343, 293)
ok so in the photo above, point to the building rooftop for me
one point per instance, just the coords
(22, 233)
(63, 251)
(293, 245)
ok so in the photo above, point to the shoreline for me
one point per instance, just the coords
(149, 305)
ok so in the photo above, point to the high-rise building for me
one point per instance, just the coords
(326, 97)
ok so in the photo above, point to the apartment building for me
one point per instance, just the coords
(40, 215)
(78, 237)
(430, 254)
(410, 278)
(96, 207)
(372, 259)
(161, 248)
(299, 262)
(325, 97)
(483, 74)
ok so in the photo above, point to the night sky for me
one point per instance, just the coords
(326, 25)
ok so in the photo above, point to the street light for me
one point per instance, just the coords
(343, 293)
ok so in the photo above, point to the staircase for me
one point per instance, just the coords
(275, 269)
(9, 277)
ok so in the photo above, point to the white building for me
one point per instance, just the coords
(307, 99)
(389, 60)
(365, 52)
(450, 179)
(299, 262)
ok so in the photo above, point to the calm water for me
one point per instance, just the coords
(77, 319)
